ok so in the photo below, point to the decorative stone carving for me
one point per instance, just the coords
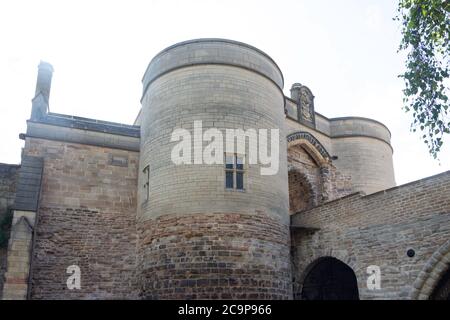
(311, 139)
(306, 106)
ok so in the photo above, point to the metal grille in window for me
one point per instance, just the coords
(234, 171)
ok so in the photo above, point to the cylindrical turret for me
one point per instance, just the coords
(364, 151)
(212, 230)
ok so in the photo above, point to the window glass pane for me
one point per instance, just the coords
(239, 162)
(229, 179)
(229, 162)
(240, 180)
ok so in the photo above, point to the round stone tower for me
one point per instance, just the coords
(212, 230)
(364, 151)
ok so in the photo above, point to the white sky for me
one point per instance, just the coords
(345, 51)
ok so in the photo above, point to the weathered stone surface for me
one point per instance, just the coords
(8, 181)
(242, 233)
(378, 229)
(29, 184)
(214, 256)
(171, 231)
(19, 251)
(86, 217)
(361, 146)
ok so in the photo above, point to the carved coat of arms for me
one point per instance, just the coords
(306, 105)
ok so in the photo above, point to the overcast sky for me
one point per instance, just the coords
(345, 51)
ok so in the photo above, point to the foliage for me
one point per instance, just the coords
(426, 38)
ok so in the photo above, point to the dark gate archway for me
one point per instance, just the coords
(442, 290)
(330, 279)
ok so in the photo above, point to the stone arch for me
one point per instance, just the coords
(442, 289)
(431, 274)
(341, 255)
(311, 145)
(301, 270)
(346, 278)
(320, 158)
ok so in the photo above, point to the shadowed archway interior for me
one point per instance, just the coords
(442, 290)
(301, 195)
(330, 279)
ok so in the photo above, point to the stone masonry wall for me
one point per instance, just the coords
(214, 256)
(225, 85)
(362, 147)
(367, 160)
(301, 196)
(310, 184)
(341, 183)
(305, 185)
(8, 180)
(379, 229)
(86, 218)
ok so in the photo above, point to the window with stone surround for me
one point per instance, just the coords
(234, 171)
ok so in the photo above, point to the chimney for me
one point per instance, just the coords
(41, 97)
(295, 91)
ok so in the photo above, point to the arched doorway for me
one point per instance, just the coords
(330, 279)
(442, 290)
(433, 282)
(309, 172)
